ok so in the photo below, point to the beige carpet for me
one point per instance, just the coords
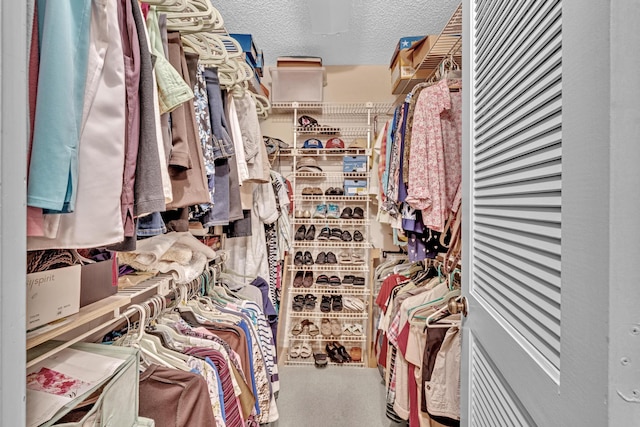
(331, 397)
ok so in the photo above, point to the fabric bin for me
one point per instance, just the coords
(302, 84)
(117, 405)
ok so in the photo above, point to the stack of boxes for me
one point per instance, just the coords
(255, 58)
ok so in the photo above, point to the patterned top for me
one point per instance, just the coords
(435, 157)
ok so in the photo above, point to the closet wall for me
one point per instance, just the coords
(347, 84)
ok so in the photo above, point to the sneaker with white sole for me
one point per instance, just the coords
(333, 211)
(320, 211)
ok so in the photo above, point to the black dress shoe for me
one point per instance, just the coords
(300, 233)
(307, 258)
(357, 236)
(297, 259)
(330, 258)
(321, 258)
(358, 213)
(346, 236)
(311, 233)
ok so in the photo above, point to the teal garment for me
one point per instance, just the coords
(64, 33)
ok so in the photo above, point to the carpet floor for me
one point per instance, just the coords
(331, 397)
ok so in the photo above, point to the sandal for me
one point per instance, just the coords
(336, 328)
(335, 281)
(297, 281)
(336, 302)
(342, 351)
(322, 279)
(313, 329)
(294, 352)
(333, 354)
(325, 304)
(345, 258)
(305, 350)
(307, 281)
(355, 329)
(320, 359)
(325, 327)
(346, 329)
(310, 301)
(298, 328)
(298, 303)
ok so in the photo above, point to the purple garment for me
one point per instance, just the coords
(267, 307)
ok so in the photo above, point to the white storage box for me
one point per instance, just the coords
(52, 295)
(302, 84)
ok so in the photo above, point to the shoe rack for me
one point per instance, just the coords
(327, 303)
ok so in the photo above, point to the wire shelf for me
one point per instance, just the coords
(331, 108)
(330, 198)
(331, 290)
(310, 362)
(320, 222)
(333, 130)
(316, 175)
(340, 315)
(352, 339)
(330, 267)
(331, 244)
(325, 152)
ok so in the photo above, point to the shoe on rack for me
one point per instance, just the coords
(306, 214)
(336, 302)
(307, 281)
(298, 259)
(322, 279)
(333, 354)
(342, 351)
(311, 232)
(310, 301)
(300, 233)
(333, 211)
(335, 281)
(346, 213)
(357, 259)
(299, 213)
(348, 279)
(345, 258)
(358, 213)
(308, 191)
(358, 281)
(297, 281)
(331, 258)
(321, 258)
(320, 211)
(307, 258)
(325, 234)
(325, 304)
(357, 236)
(346, 236)
(336, 234)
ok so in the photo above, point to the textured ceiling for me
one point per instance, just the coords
(282, 27)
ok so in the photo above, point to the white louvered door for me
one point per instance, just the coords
(512, 215)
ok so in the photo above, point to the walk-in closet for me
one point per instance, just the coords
(322, 212)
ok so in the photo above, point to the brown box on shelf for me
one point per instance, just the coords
(96, 282)
(403, 76)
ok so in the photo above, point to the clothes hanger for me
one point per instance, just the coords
(445, 317)
(415, 312)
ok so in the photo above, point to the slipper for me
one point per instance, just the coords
(358, 213)
(297, 281)
(352, 303)
(336, 328)
(355, 329)
(305, 350)
(320, 359)
(358, 281)
(294, 352)
(348, 279)
(297, 329)
(325, 327)
(357, 259)
(313, 329)
(334, 281)
(307, 282)
(346, 329)
(345, 258)
(322, 279)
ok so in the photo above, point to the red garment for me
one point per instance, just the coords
(290, 194)
(414, 415)
(385, 290)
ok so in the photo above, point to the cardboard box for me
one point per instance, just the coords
(355, 187)
(403, 74)
(52, 295)
(97, 281)
(354, 164)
